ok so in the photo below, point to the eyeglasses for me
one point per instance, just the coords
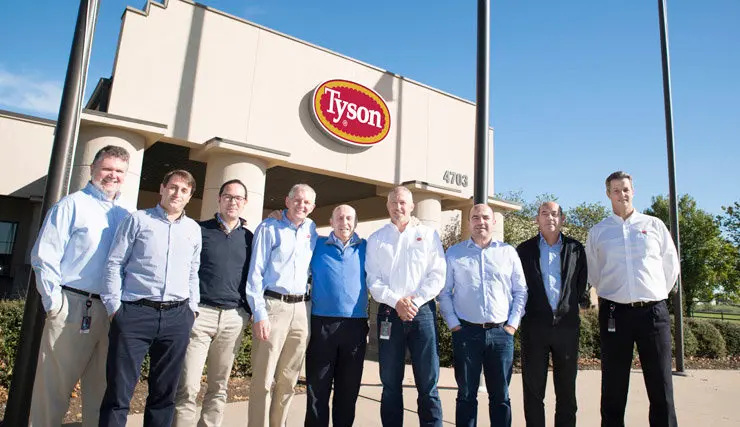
(228, 198)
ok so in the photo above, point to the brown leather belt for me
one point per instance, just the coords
(489, 325)
(291, 299)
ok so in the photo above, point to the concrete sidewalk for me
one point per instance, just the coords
(703, 398)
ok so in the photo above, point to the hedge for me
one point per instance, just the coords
(731, 333)
(711, 343)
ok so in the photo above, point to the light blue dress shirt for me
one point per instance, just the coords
(281, 256)
(72, 247)
(155, 259)
(550, 266)
(483, 285)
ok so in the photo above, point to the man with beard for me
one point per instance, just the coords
(483, 302)
(277, 292)
(69, 259)
(556, 274)
(151, 294)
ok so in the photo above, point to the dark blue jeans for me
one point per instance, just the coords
(420, 336)
(492, 350)
(135, 331)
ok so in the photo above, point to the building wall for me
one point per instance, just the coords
(213, 75)
(26, 213)
(26, 146)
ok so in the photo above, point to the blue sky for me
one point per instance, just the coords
(576, 88)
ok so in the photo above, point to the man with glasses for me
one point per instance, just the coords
(217, 334)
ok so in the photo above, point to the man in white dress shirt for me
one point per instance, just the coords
(405, 266)
(633, 265)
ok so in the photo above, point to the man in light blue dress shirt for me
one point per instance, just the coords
(483, 302)
(277, 293)
(151, 294)
(69, 260)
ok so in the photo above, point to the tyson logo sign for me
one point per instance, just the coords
(351, 113)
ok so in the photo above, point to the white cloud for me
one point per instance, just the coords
(24, 92)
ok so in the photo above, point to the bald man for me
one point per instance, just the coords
(336, 350)
(482, 302)
(555, 269)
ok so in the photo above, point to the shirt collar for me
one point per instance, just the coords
(335, 240)
(494, 244)
(94, 191)
(632, 218)
(544, 242)
(289, 223)
(162, 214)
(242, 223)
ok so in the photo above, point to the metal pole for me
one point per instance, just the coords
(24, 369)
(481, 103)
(672, 197)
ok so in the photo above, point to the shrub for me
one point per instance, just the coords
(11, 318)
(711, 343)
(586, 341)
(444, 337)
(731, 334)
(243, 361)
(690, 344)
(591, 316)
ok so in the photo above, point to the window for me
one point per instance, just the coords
(7, 241)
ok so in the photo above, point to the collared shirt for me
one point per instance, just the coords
(72, 246)
(225, 227)
(155, 259)
(631, 260)
(483, 285)
(550, 266)
(339, 286)
(405, 264)
(281, 254)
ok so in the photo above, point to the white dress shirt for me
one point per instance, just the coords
(631, 260)
(402, 264)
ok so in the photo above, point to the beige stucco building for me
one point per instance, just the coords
(225, 98)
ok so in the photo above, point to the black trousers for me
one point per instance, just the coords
(650, 328)
(539, 341)
(136, 330)
(335, 355)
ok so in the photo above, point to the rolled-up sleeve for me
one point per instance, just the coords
(261, 249)
(518, 290)
(118, 256)
(47, 253)
(380, 291)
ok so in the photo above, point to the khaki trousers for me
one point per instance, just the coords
(278, 361)
(214, 340)
(66, 356)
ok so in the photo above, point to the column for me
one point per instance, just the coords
(92, 138)
(498, 226)
(222, 167)
(465, 222)
(428, 209)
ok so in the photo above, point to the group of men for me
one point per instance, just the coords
(117, 285)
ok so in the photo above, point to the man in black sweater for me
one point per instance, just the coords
(556, 273)
(217, 333)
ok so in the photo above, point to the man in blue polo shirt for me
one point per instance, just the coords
(336, 351)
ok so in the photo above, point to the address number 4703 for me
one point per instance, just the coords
(455, 178)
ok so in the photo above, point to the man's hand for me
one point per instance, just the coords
(406, 309)
(277, 214)
(509, 329)
(456, 328)
(261, 330)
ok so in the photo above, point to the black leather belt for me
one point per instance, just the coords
(637, 304)
(159, 305)
(79, 292)
(218, 306)
(490, 325)
(291, 299)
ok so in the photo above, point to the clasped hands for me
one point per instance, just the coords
(406, 309)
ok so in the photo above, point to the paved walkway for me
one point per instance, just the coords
(703, 398)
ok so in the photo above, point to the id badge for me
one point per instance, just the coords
(85, 326)
(611, 324)
(385, 330)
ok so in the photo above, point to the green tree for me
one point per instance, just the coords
(520, 225)
(730, 221)
(579, 220)
(708, 266)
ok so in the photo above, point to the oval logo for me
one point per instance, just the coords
(351, 113)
